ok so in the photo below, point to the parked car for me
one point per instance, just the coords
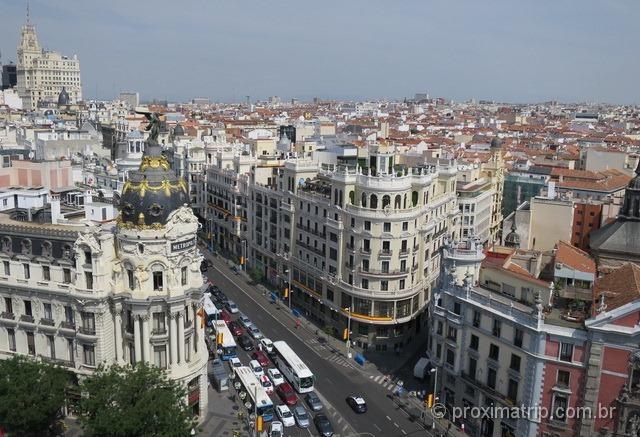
(267, 345)
(357, 404)
(314, 402)
(285, 416)
(276, 377)
(266, 384)
(217, 365)
(244, 321)
(261, 357)
(235, 363)
(245, 342)
(232, 307)
(255, 332)
(301, 416)
(235, 328)
(224, 315)
(276, 429)
(286, 393)
(256, 368)
(323, 425)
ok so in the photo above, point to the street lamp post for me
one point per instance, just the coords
(435, 396)
(244, 254)
(348, 332)
(255, 411)
(289, 287)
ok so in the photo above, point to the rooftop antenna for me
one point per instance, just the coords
(28, 13)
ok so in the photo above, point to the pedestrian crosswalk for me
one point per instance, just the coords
(384, 382)
(332, 357)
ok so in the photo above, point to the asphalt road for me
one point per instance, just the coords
(334, 381)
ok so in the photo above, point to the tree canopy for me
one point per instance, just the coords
(32, 394)
(141, 400)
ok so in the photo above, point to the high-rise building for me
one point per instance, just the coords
(132, 99)
(9, 76)
(43, 75)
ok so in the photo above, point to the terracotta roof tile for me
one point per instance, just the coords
(575, 258)
(620, 287)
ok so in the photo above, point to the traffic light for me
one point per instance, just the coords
(219, 338)
(259, 424)
(429, 400)
(286, 292)
(242, 260)
(345, 334)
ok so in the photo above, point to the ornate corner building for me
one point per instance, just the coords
(80, 295)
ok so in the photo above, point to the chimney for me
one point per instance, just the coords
(55, 208)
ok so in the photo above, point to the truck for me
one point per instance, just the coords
(421, 368)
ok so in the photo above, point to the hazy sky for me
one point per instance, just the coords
(515, 50)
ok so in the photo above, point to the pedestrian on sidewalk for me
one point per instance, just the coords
(297, 323)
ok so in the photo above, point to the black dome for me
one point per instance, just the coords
(513, 238)
(496, 143)
(63, 97)
(152, 192)
(178, 131)
(631, 205)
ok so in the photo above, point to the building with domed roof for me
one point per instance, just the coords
(124, 291)
(618, 242)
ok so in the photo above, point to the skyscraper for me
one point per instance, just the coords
(41, 75)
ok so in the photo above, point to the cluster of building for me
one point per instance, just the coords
(505, 235)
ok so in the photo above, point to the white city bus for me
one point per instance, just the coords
(292, 367)
(228, 345)
(210, 310)
(252, 393)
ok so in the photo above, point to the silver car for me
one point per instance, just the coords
(313, 401)
(302, 417)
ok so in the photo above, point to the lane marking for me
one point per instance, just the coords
(403, 431)
(377, 427)
(388, 418)
(396, 425)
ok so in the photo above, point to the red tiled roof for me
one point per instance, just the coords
(620, 287)
(575, 258)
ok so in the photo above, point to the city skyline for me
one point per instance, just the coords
(496, 51)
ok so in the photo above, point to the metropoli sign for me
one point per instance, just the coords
(182, 245)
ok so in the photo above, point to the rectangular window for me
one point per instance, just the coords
(27, 308)
(158, 323)
(88, 322)
(491, 378)
(387, 227)
(476, 319)
(8, 303)
(438, 351)
(160, 356)
(51, 346)
(497, 327)
(31, 343)
(7, 268)
(563, 378)
(130, 279)
(187, 350)
(473, 365)
(512, 390)
(559, 407)
(517, 337)
(11, 334)
(183, 276)
(70, 350)
(401, 284)
(384, 285)
(405, 226)
(48, 314)
(365, 284)
(46, 273)
(367, 225)
(366, 246)
(474, 343)
(439, 331)
(494, 352)
(452, 333)
(566, 352)
(66, 276)
(157, 281)
(515, 362)
(333, 237)
(450, 357)
(87, 257)
(88, 277)
(456, 308)
(27, 271)
(333, 253)
(89, 355)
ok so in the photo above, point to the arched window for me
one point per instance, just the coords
(374, 202)
(386, 200)
(397, 202)
(352, 197)
(364, 200)
(157, 275)
(414, 198)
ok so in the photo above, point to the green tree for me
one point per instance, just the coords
(126, 401)
(31, 396)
